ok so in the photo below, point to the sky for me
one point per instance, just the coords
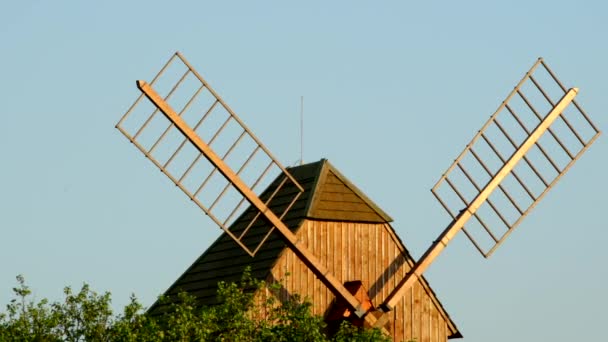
(393, 91)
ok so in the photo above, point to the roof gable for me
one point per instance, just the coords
(336, 198)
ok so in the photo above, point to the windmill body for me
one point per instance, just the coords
(349, 233)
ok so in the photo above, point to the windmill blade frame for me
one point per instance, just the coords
(175, 121)
(521, 152)
(184, 168)
(566, 141)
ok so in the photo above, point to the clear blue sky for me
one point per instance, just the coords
(393, 91)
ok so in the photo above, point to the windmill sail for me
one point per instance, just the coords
(207, 151)
(530, 142)
(165, 137)
(561, 136)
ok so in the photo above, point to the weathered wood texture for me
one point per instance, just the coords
(369, 252)
(336, 198)
(341, 227)
(224, 260)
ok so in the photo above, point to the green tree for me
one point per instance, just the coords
(87, 316)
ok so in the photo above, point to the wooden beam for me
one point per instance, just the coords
(460, 220)
(335, 286)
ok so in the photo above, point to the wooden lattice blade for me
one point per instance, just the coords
(539, 169)
(206, 114)
(301, 251)
(482, 195)
(234, 179)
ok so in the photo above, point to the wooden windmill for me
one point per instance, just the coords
(312, 222)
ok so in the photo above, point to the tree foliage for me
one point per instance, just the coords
(87, 316)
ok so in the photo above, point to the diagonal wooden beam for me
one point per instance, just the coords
(460, 220)
(309, 259)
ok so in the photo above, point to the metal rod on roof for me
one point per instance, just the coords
(301, 130)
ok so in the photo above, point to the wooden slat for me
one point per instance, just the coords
(425, 326)
(384, 262)
(417, 310)
(314, 243)
(345, 251)
(310, 278)
(339, 257)
(345, 206)
(348, 197)
(336, 188)
(323, 252)
(409, 310)
(346, 216)
(394, 275)
(375, 257)
(332, 179)
(365, 257)
(399, 326)
(205, 268)
(434, 323)
(202, 277)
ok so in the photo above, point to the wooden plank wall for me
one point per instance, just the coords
(370, 253)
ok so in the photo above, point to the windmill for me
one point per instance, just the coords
(206, 150)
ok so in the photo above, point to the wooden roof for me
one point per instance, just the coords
(224, 260)
(336, 198)
(328, 195)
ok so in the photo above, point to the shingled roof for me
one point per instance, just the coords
(328, 195)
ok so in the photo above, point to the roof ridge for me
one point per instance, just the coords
(319, 179)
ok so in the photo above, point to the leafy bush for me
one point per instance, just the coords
(87, 316)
